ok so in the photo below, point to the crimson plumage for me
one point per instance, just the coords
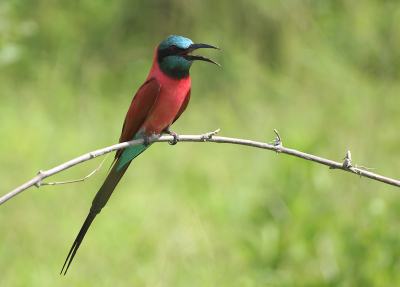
(158, 103)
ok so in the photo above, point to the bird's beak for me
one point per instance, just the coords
(195, 57)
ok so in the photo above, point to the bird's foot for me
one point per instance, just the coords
(175, 135)
(146, 140)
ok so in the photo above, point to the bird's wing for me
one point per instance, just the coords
(184, 105)
(137, 113)
(140, 107)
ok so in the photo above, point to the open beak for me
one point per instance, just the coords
(195, 57)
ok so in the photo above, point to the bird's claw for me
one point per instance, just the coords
(174, 134)
(176, 138)
(146, 140)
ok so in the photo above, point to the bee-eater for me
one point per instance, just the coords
(158, 103)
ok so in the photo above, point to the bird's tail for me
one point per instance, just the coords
(108, 186)
(98, 203)
(78, 241)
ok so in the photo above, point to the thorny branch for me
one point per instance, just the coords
(276, 146)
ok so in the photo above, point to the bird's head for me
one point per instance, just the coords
(174, 58)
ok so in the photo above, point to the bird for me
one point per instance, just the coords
(158, 103)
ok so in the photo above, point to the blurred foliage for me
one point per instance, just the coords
(324, 73)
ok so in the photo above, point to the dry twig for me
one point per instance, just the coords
(208, 137)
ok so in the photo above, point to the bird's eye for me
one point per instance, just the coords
(173, 48)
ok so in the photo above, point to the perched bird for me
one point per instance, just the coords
(158, 103)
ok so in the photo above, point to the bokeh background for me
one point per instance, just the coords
(324, 73)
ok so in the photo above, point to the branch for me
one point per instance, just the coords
(276, 146)
(39, 184)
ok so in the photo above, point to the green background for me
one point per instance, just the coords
(325, 74)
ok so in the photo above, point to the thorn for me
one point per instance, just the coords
(38, 184)
(208, 136)
(348, 155)
(347, 158)
(277, 142)
(278, 136)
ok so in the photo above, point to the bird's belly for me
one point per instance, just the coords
(165, 109)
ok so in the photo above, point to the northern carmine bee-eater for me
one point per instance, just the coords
(158, 103)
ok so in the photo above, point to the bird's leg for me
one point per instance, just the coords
(175, 135)
(146, 139)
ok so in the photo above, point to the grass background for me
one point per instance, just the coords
(325, 74)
